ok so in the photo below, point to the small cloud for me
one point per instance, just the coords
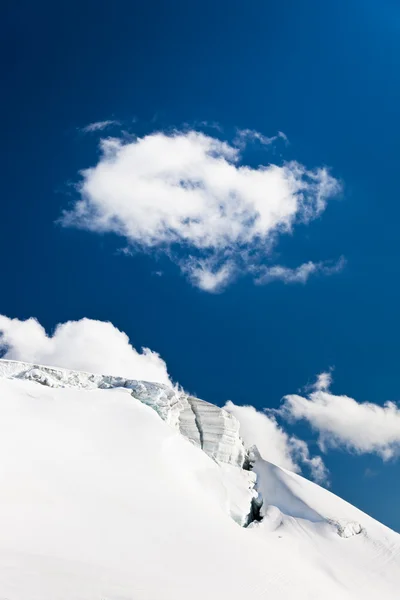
(125, 251)
(283, 137)
(301, 453)
(342, 422)
(244, 136)
(205, 275)
(323, 381)
(299, 274)
(98, 126)
(206, 125)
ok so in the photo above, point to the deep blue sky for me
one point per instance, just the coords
(325, 73)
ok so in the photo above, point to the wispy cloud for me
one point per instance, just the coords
(299, 274)
(244, 136)
(188, 194)
(207, 275)
(98, 126)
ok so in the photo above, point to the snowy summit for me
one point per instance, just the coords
(117, 489)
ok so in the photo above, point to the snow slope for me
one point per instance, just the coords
(101, 499)
(214, 430)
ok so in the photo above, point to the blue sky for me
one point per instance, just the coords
(327, 76)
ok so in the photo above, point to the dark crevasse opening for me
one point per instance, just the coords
(255, 511)
(256, 503)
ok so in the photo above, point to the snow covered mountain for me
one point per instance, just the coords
(112, 489)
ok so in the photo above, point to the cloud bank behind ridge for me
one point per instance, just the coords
(84, 345)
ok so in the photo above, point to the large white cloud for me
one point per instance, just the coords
(342, 422)
(274, 444)
(189, 189)
(86, 345)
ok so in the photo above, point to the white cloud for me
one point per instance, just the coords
(274, 444)
(301, 453)
(323, 381)
(243, 136)
(208, 276)
(189, 190)
(342, 422)
(98, 126)
(300, 274)
(256, 428)
(87, 345)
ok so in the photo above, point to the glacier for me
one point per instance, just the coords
(114, 489)
(207, 426)
(211, 428)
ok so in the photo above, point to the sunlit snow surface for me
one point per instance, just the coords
(101, 499)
